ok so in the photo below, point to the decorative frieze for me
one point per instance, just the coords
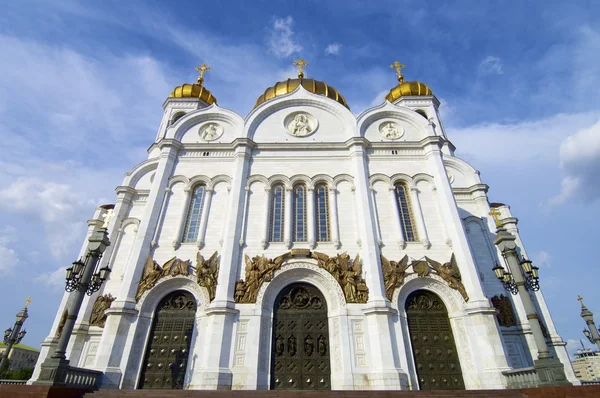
(102, 303)
(347, 273)
(505, 314)
(206, 273)
(395, 272)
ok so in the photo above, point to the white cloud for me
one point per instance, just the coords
(573, 345)
(542, 259)
(54, 279)
(580, 162)
(529, 142)
(281, 38)
(491, 66)
(8, 258)
(333, 49)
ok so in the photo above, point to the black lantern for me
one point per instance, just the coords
(77, 267)
(531, 275)
(7, 333)
(506, 278)
(21, 335)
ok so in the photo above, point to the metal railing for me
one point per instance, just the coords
(521, 378)
(7, 381)
(590, 382)
(82, 378)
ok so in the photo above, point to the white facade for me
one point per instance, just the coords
(360, 165)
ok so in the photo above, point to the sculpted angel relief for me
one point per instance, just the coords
(206, 273)
(395, 272)
(347, 273)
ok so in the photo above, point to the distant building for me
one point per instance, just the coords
(587, 365)
(21, 356)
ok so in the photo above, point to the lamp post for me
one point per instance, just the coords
(82, 278)
(521, 277)
(14, 335)
(591, 332)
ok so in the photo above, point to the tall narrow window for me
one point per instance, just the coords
(406, 217)
(299, 213)
(192, 224)
(277, 203)
(322, 207)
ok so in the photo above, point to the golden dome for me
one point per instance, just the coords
(404, 89)
(310, 85)
(195, 90)
(408, 88)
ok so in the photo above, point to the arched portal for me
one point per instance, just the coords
(300, 342)
(434, 350)
(168, 345)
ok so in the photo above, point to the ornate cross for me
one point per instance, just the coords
(398, 67)
(202, 69)
(301, 63)
(580, 299)
(496, 214)
(27, 301)
(107, 217)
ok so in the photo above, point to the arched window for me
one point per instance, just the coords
(277, 221)
(177, 116)
(194, 214)
(322, 206)
(406, 217)
(299, 213)
(422, 113)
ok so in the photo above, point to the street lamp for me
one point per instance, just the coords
(14, 335)
(531, 276)
(591, 333)
(81, 278)
(520, 277)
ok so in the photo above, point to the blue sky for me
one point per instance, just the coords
(82, 84)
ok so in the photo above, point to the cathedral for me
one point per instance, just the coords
(303, 247)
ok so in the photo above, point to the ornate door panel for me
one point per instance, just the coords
(300, 344)
(434, 351)
(168, 347)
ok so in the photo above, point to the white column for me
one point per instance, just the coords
(414, 193)
(245, 216)
(287, 235)
(310, 217)
(447, 239)
(113, 344)
(182, 218)
(398, 220)
(384, 372)
(451, 218)
(376, 216)
(333, 218)
(267, 206)
(204, 218)
(161, 218)
(212, 370)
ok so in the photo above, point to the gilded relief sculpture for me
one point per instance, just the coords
(450, 273)
(346, 272)
(393, 274)
(207, 273)
(102, 303)
(504, 311)
(153, 273)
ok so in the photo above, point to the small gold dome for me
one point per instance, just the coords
(193, 91)
(310, 85)
(408, 88)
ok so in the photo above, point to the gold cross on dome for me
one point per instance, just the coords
(27, 301)
(202, 69)
(301, 63)
(496, 214)
(398, 67)
(580, 299)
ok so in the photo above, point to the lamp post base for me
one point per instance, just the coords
(57, 372)
(551, 372)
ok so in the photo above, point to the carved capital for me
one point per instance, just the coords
(200, 244)
(337, 244)
(426, 244)
(312, 244)
(287, 243)
(401, 243)
(176, 244)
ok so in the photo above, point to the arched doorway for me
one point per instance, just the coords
(168, 346)
(434, 350)
(300, 341)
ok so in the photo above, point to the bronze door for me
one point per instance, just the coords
(300, 343)
(434, 350)
(168, 347)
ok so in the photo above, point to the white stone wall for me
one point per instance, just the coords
(369, 342)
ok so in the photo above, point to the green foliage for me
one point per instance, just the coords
(21, 374)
